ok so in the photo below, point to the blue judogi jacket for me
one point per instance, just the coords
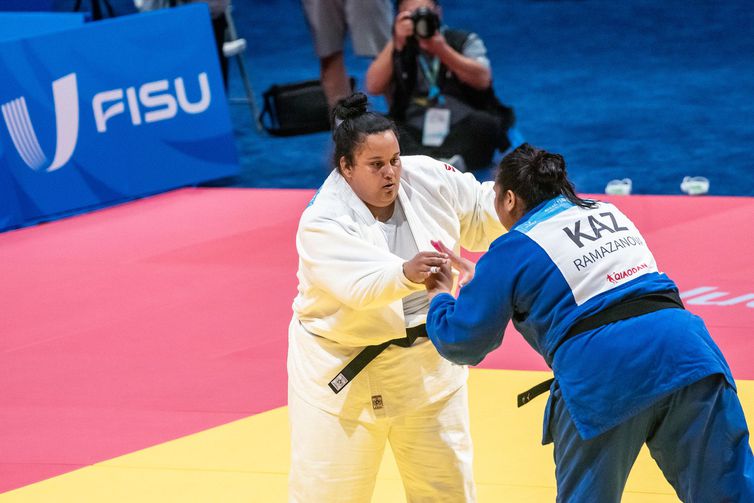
(559, 264)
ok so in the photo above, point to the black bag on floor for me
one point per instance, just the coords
(297, 108)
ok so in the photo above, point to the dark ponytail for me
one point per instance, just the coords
(351, 123)
(536, 175)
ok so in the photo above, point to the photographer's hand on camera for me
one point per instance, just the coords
(403, 29)
(421, 26)
(436, 45)
(380, 72)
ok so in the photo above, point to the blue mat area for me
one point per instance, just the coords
(652, 91)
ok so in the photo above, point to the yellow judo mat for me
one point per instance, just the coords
(247, 460)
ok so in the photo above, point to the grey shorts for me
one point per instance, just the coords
(368, 21)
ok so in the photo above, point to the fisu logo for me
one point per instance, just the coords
(150, 102)
(17, 120)
(153, 102)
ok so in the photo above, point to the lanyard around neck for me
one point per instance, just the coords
(431, 75)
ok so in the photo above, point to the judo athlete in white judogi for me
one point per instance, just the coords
(364, 252)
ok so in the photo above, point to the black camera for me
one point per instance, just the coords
(426, 22)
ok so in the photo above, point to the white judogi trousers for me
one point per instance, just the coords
(334, 459)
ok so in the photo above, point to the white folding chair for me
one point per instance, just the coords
(235, 47)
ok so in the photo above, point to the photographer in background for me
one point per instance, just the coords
(439, 85)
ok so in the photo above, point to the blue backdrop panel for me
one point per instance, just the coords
(15, 25)
(25, 5)
(111, 111)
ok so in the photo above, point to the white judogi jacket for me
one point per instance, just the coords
(351, 288)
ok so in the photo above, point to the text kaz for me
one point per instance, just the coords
(607, 223)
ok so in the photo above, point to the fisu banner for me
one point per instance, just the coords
(110, 111)
(15, 25)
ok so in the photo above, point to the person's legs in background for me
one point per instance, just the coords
(475, 138)
(327, 23)
(369, 22)
(332, 72)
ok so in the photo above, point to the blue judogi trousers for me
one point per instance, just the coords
(697, 435)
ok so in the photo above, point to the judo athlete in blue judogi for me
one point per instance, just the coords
(631, 365)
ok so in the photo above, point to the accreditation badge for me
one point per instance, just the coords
(436, 126)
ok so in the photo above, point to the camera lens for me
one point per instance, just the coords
(426, 22)
(423, 28)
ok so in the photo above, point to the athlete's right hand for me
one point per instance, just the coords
(423, 264)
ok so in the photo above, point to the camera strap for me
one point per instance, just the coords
(431, 75)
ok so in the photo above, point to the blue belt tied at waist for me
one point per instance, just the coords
(628, 308)
(369, 353)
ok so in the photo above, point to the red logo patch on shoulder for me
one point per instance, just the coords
(449, 167)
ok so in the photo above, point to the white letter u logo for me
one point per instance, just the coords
(16, 115)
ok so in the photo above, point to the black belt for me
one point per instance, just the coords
(369, 353)
(630, 308)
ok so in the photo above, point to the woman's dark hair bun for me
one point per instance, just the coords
(549, 168)
(350, 106)
(536, 175)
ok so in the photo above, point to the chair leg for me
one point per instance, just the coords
(233, 36)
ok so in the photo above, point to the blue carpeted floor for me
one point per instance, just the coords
(653, 91)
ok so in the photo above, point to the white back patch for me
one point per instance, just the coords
(595, 249)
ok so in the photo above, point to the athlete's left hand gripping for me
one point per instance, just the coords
(465, 267)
